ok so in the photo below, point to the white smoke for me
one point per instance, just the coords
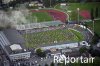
(13, 17)
(4, 19)
(18, 17)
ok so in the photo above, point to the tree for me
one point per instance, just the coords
(92, 14)
(82, 50)
(46, 64)
(95, 39)
(52, 64)
(73, 1)
(49, 3)
(39, 65)
(96, 12)
(92, 18)
(1, 2)
(40, 53)
(12, 3)
(59, 64)
(1, 28)
(96, 61)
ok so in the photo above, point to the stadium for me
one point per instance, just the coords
(32, 33)
(49, 27)
(63, 23)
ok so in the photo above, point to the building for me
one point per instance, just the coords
(35, 1)
(6, 1)
(13, 45)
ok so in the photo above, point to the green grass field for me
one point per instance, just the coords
(39, 17)
(96, 26)
(83, 6)
(78, 34)
(50, 37)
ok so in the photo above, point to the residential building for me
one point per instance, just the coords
(6, 1)
(13, 45)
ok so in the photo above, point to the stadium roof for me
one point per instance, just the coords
(38, 25)
(60, 46)
(13, 36)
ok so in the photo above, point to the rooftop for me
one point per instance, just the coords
(12, 41)
(14, 36)
(15, 47)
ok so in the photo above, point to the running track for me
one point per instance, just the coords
(57, 15)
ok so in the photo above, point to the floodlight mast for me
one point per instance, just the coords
(93, 27)
(69, 15)
(78, 9)
(36, 19)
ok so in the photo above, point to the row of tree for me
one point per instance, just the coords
(12, 3)
(47, 3)
(94, 13)
(50, 3)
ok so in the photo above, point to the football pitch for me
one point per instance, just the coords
(82, 6)
(39, 17)
(52, 37)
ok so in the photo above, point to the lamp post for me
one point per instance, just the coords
(69, 15)
(78, 9)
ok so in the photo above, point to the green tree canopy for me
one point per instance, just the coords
(40, 53)
(82, 49)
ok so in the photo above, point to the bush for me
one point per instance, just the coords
(96, 12)
(40, 53)
(82, 49)
(95, 39)
(46, 64)
(52, 64)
